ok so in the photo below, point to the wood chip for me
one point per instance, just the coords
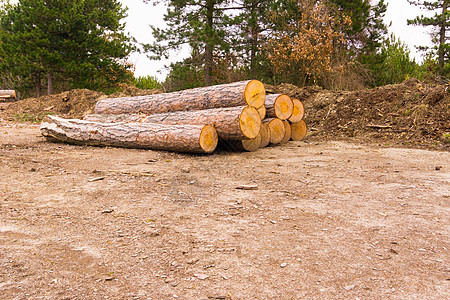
(96, 179)
(247, 187)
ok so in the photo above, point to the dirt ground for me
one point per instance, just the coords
(316, 219)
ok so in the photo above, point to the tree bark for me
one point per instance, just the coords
(298, 111)
(277, 130)
(279, 106)
(298, 131)
(180, 138)
(49, 83)
(231, 123)
(241, 93)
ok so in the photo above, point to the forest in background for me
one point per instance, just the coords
(49, 46)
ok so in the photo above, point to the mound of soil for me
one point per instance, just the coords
(70, 104)
(412, 114)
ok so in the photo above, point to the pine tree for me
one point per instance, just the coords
(78, 41)
(440, 22)
(200, 24)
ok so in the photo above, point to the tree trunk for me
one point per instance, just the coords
(231, 123)
(277, 130)
(298, 131)
(442, 39)
(298, 112)
(244, 145)
(49, 83)
(208, 47)
(241, 93)
(37, 84)
(279, 106)
(180, 138)
(287, 133)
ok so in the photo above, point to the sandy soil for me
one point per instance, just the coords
(308, 220)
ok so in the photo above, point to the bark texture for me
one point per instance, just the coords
(298, 111)
(298, 131)
(231, 123)
(180, 138)
(279, 106)
(251, 93)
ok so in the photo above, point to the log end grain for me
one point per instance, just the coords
(298, 131)
(265, 135)
(255, 93)
(277, 130)
(287, 134)
(262, 112)
(283, 107)
(297, 112)
(208, 139)
(252, 145)
(250, 122)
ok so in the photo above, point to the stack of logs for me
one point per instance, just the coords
(238, 115)
(7, 95)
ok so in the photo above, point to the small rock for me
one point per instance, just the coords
(201, 276)
(349, 287)
(283, 265)
(437, 168)
(185, 170)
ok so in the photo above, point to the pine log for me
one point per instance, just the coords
(180, 138)
(277, 130)
(7, 94)
(279, 106)
(287, 134)
(265, 135)
(251, 93)
(298, 131)
(231, 123)
(298, 111)
(244, 145)
(262, 112)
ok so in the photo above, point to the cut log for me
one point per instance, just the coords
(265, 135)
(277, 130)
(7, 95)
(287, 134)
(297, 112)
(180, 138)
(279, 106)
(262, 112)
(232, 123)
(251, 93)
(244, 145)
(298, 131)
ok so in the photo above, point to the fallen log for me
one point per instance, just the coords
(251, 93)
(279, 106)
(298, 131)
(231, 123)
(277, 130)
(287, 133)
(244, 145)
(7, 95)
(265, 135)
(180, 138)
(298, 111)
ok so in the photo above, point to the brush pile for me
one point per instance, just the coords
(237, 115)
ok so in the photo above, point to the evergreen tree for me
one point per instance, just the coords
(79, 41)
(201, 24)
(440, 22)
